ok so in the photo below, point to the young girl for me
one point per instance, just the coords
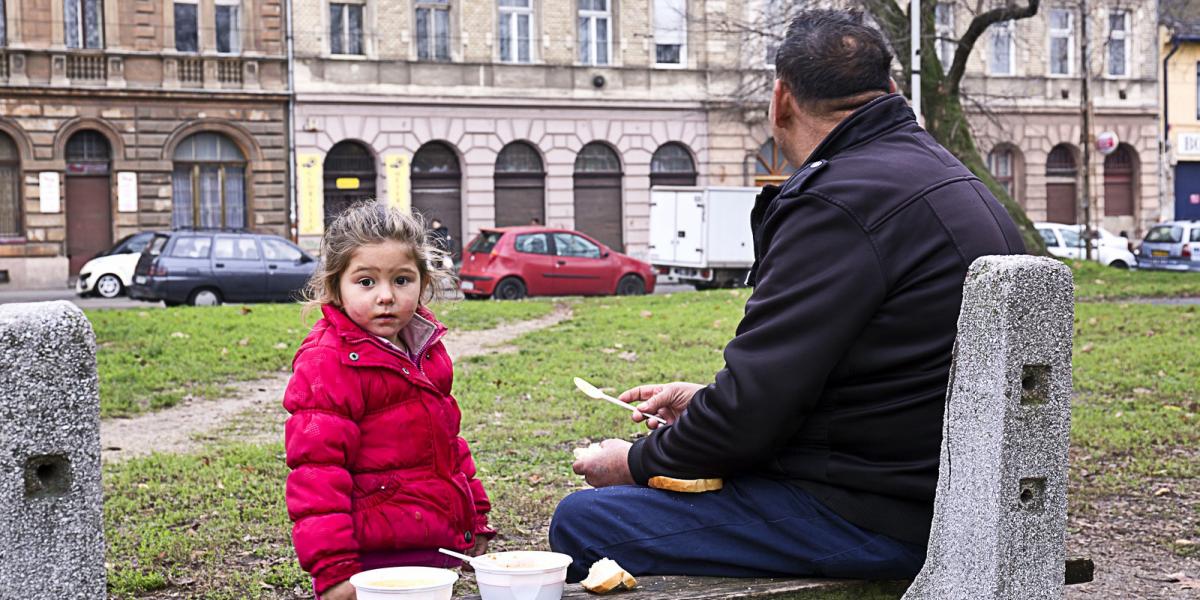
(379, 477)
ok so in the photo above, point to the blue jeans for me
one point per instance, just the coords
(753, 527)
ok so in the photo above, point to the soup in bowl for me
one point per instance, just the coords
(405, 583)
(521, 575)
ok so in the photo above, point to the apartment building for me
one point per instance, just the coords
(119, 116)
(1024, 88)
(1181, 114)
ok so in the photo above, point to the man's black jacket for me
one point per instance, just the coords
(836, 379)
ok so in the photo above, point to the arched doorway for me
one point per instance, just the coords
(598, 194)
(1119, 168)
(672, 165)
(520, 186)
(771, 166)
(208, 183)
(1060, 185)
(349, 173)
(437, 189)
(88, 197)
(10, 189)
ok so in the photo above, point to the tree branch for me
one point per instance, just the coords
(979, 25)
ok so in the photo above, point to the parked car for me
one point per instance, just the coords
(213, 266)
(1066, 241)
(1174, 246)
(110, 273)
(513, 262)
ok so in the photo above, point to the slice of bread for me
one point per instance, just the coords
(605, 575)
(584, 452)
(690, 486)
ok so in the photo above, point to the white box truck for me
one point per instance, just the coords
(701, 235)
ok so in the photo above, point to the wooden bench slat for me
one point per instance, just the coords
(714, 588)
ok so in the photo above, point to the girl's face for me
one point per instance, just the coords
(381, 288)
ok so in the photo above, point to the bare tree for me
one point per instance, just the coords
(941, 90)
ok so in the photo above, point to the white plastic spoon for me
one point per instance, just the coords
(458, 555)
(594, 392)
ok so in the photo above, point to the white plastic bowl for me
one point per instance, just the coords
(407, 583)
(521, 575)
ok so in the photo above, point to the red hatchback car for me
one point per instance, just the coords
(513, 262)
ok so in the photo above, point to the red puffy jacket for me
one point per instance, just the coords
(377, 463)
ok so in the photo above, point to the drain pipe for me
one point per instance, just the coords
(294, 220)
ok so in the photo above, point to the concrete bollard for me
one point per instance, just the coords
(999, 523)
(51, 521)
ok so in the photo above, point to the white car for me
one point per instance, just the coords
(110, 273)
(1066, 241)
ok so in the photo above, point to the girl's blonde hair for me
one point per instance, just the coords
(373, 222)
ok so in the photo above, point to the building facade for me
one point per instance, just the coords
(1024, 92)
(119, 116)
(498, 112)
(503, 112)
(1181, 114)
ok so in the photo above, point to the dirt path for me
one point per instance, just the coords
(256, 415)
(1130, 538)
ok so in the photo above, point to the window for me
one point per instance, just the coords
(187, 27)
(672, 165)
(1062, 42)
(943, 18)
(208, 184)
(192, 247)
(235, 248)
(566, 244)
(516, 31)
(433, 30)
(1118, 43)
(83, 25)
(1071, 238)
(229, 27)
(534, 243)
(597, 158)
(1196, 234)
(3, 26)
(1000, 163)
(670, 32)
(486, 241)
(1049, 237)
(595, 32)
(10, 188)
(276, 249)
(346, 29)
(1003, 55)
(1198, 90)
(519, 157)
(1164, 234)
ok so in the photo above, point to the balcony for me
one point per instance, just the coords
(87, 68)
(130, 69)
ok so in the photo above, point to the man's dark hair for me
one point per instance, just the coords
(832, 54)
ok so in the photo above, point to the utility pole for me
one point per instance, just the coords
(1086, 136)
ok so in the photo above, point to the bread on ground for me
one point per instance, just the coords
(690, 486)
(606, 575)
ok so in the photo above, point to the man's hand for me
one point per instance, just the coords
(605, 466)
(341, 591)
(480, 548)
(667, 400)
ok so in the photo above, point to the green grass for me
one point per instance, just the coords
(167, 520)
(151, 359)
(1094, 281)
(1136, 403)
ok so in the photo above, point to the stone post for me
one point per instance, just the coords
(51, 525)
(999, 522)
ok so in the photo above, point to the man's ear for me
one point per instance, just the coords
(781, 104)
(892, 87)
